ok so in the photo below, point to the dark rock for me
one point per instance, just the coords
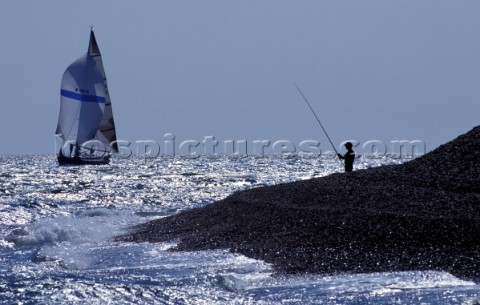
(421, 215)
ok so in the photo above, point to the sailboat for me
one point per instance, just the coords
(85, 122)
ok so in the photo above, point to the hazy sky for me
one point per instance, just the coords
(381, 70)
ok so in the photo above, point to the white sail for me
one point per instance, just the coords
(85, 105)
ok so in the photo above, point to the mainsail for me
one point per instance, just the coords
(85, 105)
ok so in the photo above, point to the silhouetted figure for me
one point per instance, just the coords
(349, 157)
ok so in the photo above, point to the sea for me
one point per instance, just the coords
(57, 229)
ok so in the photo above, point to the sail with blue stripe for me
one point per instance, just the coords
(85, 105)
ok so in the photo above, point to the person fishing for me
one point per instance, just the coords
(349, 157)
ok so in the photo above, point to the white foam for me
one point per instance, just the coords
(93, 225)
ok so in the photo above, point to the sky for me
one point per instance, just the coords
(373, 70)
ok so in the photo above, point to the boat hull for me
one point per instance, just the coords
(64, 160)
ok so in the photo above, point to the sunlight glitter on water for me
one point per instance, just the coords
(57, 225)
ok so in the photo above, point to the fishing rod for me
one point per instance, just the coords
(318, 120)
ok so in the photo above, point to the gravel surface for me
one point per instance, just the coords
(421, 215)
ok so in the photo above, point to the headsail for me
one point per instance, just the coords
(85, 106)
(106, 131)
